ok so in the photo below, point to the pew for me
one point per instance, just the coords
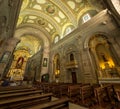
(104, 96)
(20, 94)
(64, 90)
(20, 102)
(8, 88)
(16, 91)
(56, 104)
(74, 93)
(111, 92)
(87, 97)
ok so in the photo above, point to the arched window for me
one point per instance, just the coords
(68, 30)
(56, 39)
(71, 57)
(86, 17)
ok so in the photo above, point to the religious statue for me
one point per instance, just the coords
(19, 62)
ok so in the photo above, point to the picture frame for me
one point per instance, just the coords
(45, 62)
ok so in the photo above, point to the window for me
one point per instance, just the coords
(68, 30)
(56, 39)
(71, 57)
(86, 17)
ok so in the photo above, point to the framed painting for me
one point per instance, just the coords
(45, 62)
(5, 56)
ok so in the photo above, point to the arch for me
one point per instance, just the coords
(36, 28)
(86, 42)
(36, 32)
(102, 57)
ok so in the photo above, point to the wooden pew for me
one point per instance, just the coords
(8, 88)
(20, 94)
(111, 92)
(56, 104)
(20, 102)
(74, 93)
(87, 95)
(16, 91)
(64, 90)
(101, 95)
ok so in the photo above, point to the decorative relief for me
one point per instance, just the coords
(50, 9)
(41, 22)
(77, 5)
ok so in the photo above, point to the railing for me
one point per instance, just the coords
(72, 64)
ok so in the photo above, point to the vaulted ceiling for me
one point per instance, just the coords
(55, 17)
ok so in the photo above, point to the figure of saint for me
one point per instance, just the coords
(19, 62)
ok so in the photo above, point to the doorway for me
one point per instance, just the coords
(74, 78)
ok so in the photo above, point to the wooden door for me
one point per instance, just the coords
(74, 79)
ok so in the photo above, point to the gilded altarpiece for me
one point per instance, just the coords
(105, 64)
(16, 71)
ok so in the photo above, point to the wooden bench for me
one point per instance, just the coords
(56, 104)
(8, 88)
(64, 90)
(24, 101)
(87, 95)
(101, 95)
(20, 94)
(16, 91)
(74, 93)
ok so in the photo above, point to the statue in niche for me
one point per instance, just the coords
(19, 62)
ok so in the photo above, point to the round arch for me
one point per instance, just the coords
(36, 32)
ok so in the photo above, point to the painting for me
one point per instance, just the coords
(5, 56)
(45, 62)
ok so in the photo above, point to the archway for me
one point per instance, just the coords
(103, 57)
(45, 43)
